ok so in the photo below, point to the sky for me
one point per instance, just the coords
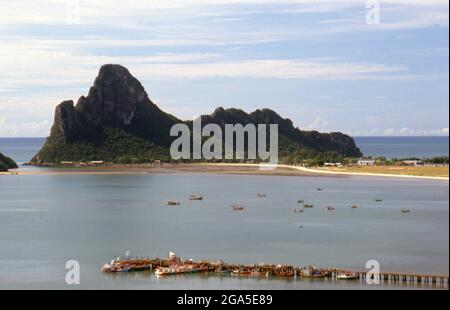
(365, 68)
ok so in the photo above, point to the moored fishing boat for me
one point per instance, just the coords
(241, 272)
(124, 268)
(108, 268)
(330, 208)
(259, 273)
(237, 208)
(314, 273)
(298, 210)
(221, 269)
(195, 197)
(179, 269)
(173, 203)
(347, 276)
(308, 206)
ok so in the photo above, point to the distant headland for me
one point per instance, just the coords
(6, 163)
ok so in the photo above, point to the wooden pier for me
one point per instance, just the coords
(286, 271)
(399, 277)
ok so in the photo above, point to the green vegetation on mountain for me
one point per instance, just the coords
(6, 163)
(118, 123)
(294, 145)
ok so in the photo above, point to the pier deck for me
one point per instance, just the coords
(288, 271)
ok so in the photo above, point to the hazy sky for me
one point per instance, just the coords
(317, 62)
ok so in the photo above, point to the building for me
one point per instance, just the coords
(97, 162)
(366, 162)
(332, 164)
(413, 162)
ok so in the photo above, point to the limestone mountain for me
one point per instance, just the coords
(306, 143)
(118, 123)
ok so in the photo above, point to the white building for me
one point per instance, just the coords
(366, 162)
(413, 162)
(332, 164)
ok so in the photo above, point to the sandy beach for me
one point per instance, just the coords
(212, 168)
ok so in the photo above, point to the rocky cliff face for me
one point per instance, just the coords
(116, 104)
(117, 122)
(118, 100)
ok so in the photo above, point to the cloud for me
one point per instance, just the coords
(37, 64)
(52, 49)
(273, 68)
(395, 13)
(388, 131)
(25, 129)
(318, 124)
(406, 131)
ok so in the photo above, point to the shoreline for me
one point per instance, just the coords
(210, 168)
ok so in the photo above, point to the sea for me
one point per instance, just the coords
(47, 220)
(403, 147)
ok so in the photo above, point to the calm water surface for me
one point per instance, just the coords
(403, 147)
(46, 220)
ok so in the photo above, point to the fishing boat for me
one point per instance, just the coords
(308, 206)
(178, 269)
(173, 203)
(300, 201)
(241, 272)
(260, 195)
(405, 211)
(298, 210)
(330, 208)
(195, 197)
(221, 269)
(314, 273)
(355, 207)
(108, 268)
(284, 273)
(347, 276)
(259, 273)
(378, 200)
(124, 268)
(237, 208)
